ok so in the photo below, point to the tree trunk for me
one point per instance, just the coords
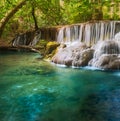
(35, 20)
(9, 15)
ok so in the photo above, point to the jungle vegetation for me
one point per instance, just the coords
(22, 15)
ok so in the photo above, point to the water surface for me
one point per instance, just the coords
(34, 90)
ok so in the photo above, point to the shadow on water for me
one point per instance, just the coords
(101, 106)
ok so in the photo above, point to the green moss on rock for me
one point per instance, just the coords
(51, 48)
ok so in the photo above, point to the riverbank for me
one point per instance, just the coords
(7, 46)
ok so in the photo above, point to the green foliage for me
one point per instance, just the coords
(77, 11)
(42, 43)
(52, 12)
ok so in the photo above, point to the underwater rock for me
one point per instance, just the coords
(75, 55)
(106, 55)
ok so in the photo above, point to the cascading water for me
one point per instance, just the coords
(117, 36)
(79, 40)
(90, 33)
(28, 38)
(96, 44)
(23, 39)
(36, 38)
(106, 55)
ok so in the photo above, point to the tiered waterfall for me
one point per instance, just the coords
(90, 33)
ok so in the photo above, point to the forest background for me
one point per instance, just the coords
(19, 16)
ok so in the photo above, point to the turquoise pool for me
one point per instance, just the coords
(34, 90)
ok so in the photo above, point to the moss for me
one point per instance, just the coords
(41, 43)
(41, 46)
(51, 49)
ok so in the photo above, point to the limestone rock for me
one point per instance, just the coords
(82, 57)
(76, 55)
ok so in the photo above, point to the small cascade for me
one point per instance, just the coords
(20, 40)
(106, 55)
(29, 38)
(23, 39)
(60, 37)
(106, 47)
(90, 33)
(117, 36)
(36, 38)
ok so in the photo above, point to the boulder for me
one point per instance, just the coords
(75, 55)
(82, 58)
(51, 49)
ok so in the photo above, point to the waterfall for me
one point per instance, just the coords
(20, 40)
(60, 36)
(95, 44)
(90, 33)
(117, 36)
(29, 38)
(36, 38)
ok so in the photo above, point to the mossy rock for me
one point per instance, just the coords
(41, 43)
(41, 46)
(51, 49)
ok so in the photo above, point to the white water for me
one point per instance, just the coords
(90, 33)
(117, 36)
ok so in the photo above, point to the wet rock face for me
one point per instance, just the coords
(106, 55)
(74, 55)
(82, 58)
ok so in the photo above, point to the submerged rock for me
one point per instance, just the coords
(75, 55)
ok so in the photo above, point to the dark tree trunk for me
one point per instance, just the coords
(34, 18)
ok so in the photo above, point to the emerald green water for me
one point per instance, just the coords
(34, 90)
